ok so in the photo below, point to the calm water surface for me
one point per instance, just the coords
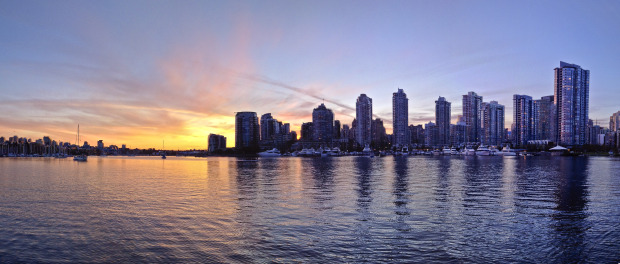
(311, 210)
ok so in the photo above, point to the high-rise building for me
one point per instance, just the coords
(493, 123)
(614, 122)
(543, 111)
(99, 144)
(337, 133)
(431, 134)
(471, 113)
(307, 131)
(400, 117)
(363, 117)
(379, 137)
(416, 135)
(216, 142)
(323, 124)
(522, 131)
(345, 131)
(571, 99)
(269, 127)
(247, 130)
(442, 120)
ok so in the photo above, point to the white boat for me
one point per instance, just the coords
(453, 151)
(507, 152)
(367, 151)
(483, 151)
(469, 152)
(446, 151)
(405, 150)
(80, 157)
(334, 152)
(270, 153)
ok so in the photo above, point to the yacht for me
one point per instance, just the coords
(446, 151)
(469, 152)
(483, 151)
(270, 153)
(80, 157)
(367, 151)
(405, 150)
(335, 152)
(453, 151)
(507, 152)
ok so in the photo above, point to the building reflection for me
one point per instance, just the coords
(401, 184)
(363, 223)
(323, 176)
(570, 215)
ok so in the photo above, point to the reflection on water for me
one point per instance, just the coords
(317, 210)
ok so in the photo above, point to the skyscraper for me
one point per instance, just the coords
(614, 122)
(471, 113)
(572, 89)
(431, 134)
(307, 131)
(247, 131)
(492, 123)
(522, 131)
(442, 121)
(363, 117)
(337, 133)
(400, 117)
(269, 127)
(379, 138)
(542, 111)
(323, 124)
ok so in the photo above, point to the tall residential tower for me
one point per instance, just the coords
(400, 117)
(363, 117)
(472, 103)
(572, 89)
(442, 120)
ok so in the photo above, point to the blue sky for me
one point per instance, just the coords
(136, 72)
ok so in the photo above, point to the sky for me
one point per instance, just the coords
(140, 72)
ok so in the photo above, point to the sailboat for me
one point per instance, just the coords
(81, 157)
(163, 152)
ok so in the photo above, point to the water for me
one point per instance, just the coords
(311, 210)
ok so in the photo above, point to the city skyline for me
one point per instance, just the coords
(179, 72)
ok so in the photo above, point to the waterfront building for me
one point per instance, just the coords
(99, 144)
(471, 113)
(379, 137)
(416, 135)
(400, 117)
(345, 131)
(594, 132)
(247, 130)
(614, 122)
(269, 127)
(571, 96)
(542, 115)
(323, 124)
(216, 142)
(337, 132)
(457, 133)
(442, 120)
(307, 131)
(492, 123)
(522, 131)
(363, 117)
(431, 133)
